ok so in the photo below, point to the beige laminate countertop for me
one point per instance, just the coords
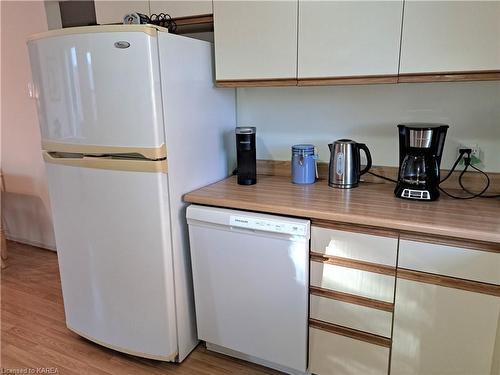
(369, 204)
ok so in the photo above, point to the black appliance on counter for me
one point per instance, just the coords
(246, 156)
(420, 150)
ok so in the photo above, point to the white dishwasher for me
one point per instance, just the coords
(251, 276)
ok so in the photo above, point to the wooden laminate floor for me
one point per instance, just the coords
(34, 334)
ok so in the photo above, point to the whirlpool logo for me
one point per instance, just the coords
(122, 44)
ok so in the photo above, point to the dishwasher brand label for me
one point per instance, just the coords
(267, 225)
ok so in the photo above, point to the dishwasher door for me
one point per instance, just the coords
(251, 276)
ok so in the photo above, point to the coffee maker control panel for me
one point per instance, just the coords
(416, 194)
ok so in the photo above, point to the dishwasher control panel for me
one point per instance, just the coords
(267, 225)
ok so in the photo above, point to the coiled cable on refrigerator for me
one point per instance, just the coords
(163, 20)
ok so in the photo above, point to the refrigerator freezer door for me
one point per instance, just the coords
(91, 91)
(113, 240)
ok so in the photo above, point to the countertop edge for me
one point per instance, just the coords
(342, 218)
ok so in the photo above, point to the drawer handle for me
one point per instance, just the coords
(351, 298)
(351, 333)
(352, 263)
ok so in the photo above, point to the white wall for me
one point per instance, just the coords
(369, 114)
(25, 204)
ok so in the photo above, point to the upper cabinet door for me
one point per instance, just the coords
(181, 8)
(450, 36)
(349, 38)
(255, 39)
(114, 11)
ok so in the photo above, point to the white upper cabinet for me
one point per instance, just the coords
(181, 8)
(255, 39)
(113, 11)
(349, 38)
(450, 36)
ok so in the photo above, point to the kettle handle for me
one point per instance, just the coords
(363, 147)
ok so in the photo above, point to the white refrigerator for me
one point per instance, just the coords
(130, 121)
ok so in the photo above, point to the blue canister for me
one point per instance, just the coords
(303, 164)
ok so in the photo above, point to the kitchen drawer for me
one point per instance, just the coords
(351, 315)
(353, 281)
(333, 354)
(477, 265)
(353, 245)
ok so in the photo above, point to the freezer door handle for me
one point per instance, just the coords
(129, 165)
(153, 153)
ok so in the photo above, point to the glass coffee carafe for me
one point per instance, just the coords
(415, 170)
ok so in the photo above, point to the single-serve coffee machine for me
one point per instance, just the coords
(246, 155)
(420, 150)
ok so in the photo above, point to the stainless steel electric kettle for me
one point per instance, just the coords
(345, 163)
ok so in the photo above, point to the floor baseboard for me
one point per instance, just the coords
(11, 237)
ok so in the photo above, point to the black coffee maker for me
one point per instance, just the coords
(420, 150)
(246, 155)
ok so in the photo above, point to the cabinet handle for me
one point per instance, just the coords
(449, 282)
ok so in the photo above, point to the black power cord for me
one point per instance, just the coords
(467, 163)
(487, 185)
(382, 177)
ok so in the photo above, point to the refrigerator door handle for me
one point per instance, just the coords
(129, 165)
(153, 153)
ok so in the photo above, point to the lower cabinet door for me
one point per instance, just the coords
(332, 354)
(443, 330)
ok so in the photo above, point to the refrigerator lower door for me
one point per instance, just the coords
(112, 231)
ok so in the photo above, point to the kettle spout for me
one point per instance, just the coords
(330, 145)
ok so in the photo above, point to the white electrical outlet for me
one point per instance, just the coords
(475, 152)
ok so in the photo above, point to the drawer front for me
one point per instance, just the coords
(358, 246)
(351, 315)
(483, 266)
(332, 354)
(353, 281)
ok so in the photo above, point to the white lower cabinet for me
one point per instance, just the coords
(333, 354)
(443, 330)
(437, 312)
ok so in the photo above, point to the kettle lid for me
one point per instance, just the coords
(345, 141)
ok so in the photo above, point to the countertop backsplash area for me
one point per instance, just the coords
(369, 114)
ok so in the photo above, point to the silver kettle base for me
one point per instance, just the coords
(342, 186)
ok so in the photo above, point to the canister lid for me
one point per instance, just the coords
(303, 148)
(245, 130)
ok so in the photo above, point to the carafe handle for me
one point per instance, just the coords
(362, 146)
